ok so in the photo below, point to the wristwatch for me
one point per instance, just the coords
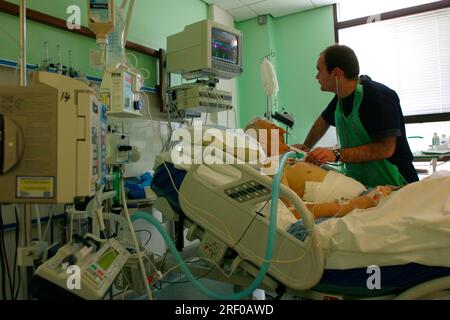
(337, 154)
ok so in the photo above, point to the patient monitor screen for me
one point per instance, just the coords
(224, 46)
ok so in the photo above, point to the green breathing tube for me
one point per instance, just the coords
(269, 248)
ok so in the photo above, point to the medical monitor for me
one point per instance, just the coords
(205, 49)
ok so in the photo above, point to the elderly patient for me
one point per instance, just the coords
(326, 193)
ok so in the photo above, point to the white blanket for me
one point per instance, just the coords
(411, 225)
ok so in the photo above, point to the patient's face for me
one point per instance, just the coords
(266, 133)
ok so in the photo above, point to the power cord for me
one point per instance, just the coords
(5, 263)
(149, 238)
(15, 295)
(2, 260)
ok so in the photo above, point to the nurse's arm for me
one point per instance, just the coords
(317, 131)
(379, 150)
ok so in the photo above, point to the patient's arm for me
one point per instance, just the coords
(336, 209)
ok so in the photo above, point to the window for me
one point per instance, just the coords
(406, 47)
(410, 55)
(352, 9)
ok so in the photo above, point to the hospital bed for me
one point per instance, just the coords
(233, 235)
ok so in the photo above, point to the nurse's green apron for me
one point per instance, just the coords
(352, 133)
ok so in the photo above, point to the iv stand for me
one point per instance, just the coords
(25, 222)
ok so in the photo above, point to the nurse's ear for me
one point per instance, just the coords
(336, 73)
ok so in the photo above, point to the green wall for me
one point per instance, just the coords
(258, 42)
(297, 40)
(152, 22)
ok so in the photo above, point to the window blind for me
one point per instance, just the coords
(410, 55)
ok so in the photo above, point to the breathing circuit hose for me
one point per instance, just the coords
(269, 247)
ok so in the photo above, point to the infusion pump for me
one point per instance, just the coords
(95, 262)
(52, 141)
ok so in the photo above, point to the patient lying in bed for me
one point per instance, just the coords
(327, 193)
(410, 225)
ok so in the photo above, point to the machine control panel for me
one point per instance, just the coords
(98, 268)
(247, 191)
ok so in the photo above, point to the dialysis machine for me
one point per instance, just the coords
(53, 137)
(53, 150)
(52, 141)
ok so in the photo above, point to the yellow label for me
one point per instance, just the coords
(35, 187)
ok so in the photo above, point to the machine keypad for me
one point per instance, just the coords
(247, 191)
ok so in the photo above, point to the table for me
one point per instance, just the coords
(433, 157)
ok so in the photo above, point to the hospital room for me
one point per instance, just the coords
(192, 151)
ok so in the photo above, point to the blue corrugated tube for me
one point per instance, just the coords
(269, 248)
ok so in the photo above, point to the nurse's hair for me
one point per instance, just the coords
(340, 56)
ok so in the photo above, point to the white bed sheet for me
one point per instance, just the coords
(411, 225)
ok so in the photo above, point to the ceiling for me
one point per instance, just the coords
(246, 9)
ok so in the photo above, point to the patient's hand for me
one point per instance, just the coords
(385, 190)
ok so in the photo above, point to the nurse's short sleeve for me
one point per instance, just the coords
(386, 116)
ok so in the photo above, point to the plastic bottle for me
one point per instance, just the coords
(116, 41)
(444, 141)
(436, 141)
(101, 18)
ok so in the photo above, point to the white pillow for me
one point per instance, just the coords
(233, 142)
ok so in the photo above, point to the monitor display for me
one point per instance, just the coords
(224, 46)
(107, 259)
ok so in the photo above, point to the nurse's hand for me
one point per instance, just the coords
(320, 156)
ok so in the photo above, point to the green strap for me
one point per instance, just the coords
(351, 133)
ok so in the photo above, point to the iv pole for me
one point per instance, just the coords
(25, 222)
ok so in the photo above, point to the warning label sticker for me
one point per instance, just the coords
(35, 187)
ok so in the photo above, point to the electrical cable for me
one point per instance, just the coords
(135, 59)
(148, 73)
(151, 119)
(16, 237)
(38, 218)
(2, 260)
(14, 295)
(150, 237)
(136, 244)
(5, 256)
(50, 217)
(187, 281)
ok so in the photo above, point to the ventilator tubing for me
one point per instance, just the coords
(269, 248)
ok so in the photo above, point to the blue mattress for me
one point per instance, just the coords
(352, 282)
(394, 279)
